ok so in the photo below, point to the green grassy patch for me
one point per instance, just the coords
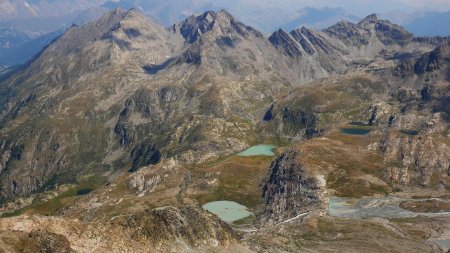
(240, 180)
(247, 220)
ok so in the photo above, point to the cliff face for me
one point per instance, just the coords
(416, 156)
(289, 190)
(420, 158)
(416, 148)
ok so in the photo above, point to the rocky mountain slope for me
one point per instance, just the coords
(122, 127)
(139, 91)
(102, 98)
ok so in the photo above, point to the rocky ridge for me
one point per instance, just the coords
(289, 190)
(187, 229)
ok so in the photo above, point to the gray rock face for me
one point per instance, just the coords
(341, 46)
(435, 60)
(421, 157)
(284, 42)
(416, 150)
(289, 190)
(429, 67)
(141, 185)
(350, 33)
(415, 157)
(307, 46)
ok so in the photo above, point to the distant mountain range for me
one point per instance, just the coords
(22, 9)
(21, 39)
(268, 19)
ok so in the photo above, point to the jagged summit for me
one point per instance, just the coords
(387, 32)
(126, 30)
(284, 41)
(372, 18)
(223, 22)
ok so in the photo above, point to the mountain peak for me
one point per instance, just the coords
(223, 22)
(118, 12)
(285, 42)
(125, 29)
(225, 13)
(372, 18)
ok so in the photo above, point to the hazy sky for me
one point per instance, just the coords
(363, 7)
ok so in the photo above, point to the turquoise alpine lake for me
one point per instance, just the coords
(227, 211)
(259, 150)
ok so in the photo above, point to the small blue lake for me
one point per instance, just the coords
(410, 132)
(355, 131)
(83, 191)
(227, 211)
(259, 150)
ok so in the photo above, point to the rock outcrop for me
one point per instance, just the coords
(172, 229)
(34, 241)
(191, 225)
(289, 190)
(414, 157)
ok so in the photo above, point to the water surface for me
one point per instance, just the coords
(227, 211)
(83, 191)
(410, 132)
(355, 130)
(259, 150)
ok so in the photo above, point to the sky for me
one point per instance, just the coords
(363, 7)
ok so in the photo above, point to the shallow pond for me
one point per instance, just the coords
(227, 211)
(410, 132)
(83, 191)
(387, 207)
(355, 130)
(259, 150)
